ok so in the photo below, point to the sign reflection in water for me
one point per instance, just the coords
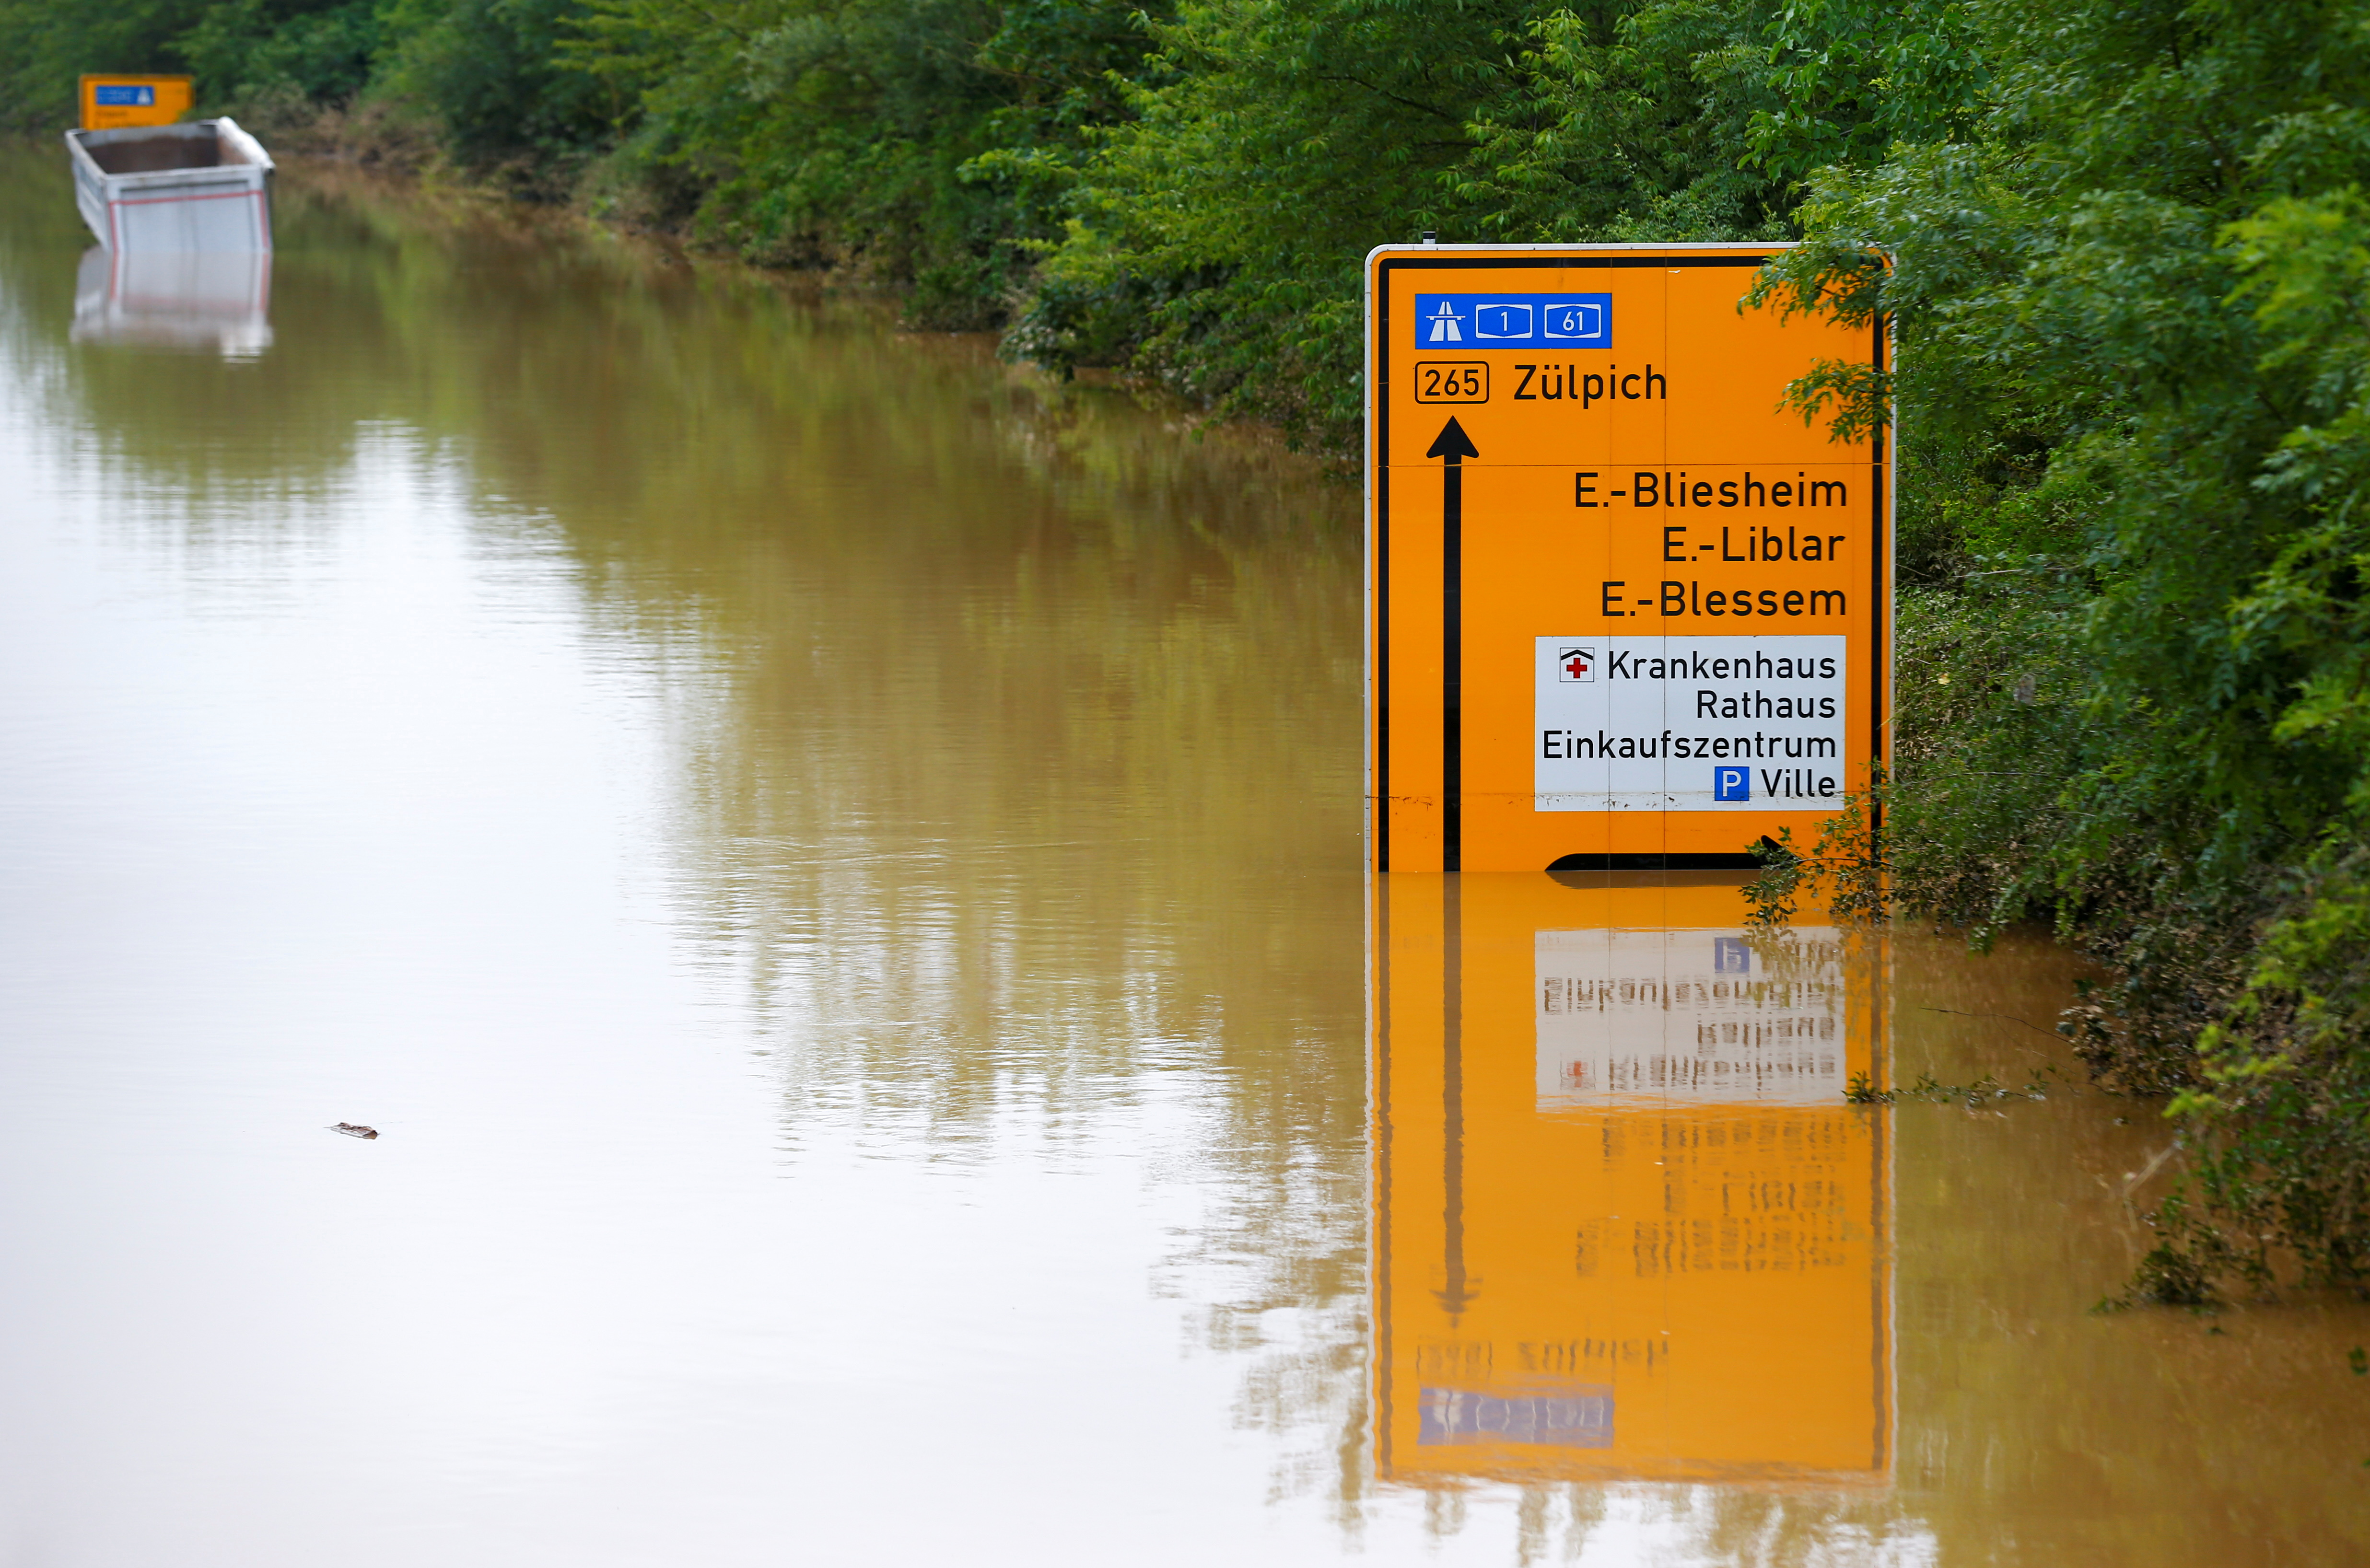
(1627, 1226)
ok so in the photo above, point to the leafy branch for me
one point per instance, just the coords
(1847, 862)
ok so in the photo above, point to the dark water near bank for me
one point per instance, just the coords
(832, 865)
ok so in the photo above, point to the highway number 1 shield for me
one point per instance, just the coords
(1625, 610)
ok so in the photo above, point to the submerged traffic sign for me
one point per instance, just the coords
(1622, 609)
(111, 102)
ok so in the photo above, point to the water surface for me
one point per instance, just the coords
(832, 863)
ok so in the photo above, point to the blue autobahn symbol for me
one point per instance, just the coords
(1732, 783)
(1545, 322)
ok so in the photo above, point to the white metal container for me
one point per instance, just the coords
(203, 186)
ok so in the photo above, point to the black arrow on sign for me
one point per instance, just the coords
(1452, 446)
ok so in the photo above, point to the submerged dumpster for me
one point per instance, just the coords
(205, 185)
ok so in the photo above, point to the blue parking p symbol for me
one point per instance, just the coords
(1732, 783)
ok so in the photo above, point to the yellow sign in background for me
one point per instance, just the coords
(1626, 1226)
(1623, 609)
(109, 102)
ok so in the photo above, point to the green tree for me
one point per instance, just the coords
(2128, 279)
(1216, 237)
(45, 47)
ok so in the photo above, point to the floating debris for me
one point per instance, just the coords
(1862, 1091)
(355, 1129)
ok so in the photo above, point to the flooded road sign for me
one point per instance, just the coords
(1623, 609)
(1626, 1226)
(111, 102)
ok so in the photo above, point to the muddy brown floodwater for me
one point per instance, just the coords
(831, 865)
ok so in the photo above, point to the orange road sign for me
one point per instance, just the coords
(109, 102)
(1622, 609)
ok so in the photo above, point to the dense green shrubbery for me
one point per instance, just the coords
(324, 51)
(2129, 296)
(1216, 234)
(2131, 250)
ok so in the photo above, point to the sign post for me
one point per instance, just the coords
(1624, 612)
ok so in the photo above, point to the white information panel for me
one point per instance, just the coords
(1688, 724)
